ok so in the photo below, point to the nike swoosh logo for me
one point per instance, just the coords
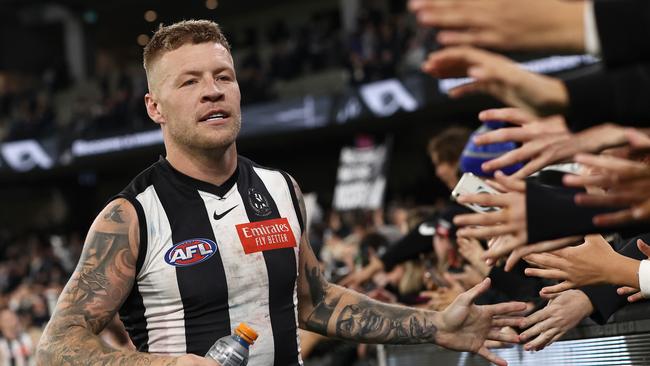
(221, 215)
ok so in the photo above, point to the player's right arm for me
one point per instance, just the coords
(99, 285)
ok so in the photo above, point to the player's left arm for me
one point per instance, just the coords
(335, 311)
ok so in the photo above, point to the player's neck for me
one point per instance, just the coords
(212, 166)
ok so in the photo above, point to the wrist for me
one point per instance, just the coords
(623, 271)
(587, 307)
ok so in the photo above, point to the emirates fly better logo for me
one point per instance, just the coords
(266, 235)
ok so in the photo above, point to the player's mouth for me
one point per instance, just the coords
(214, 116)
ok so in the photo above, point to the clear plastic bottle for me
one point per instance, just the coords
(232, 350)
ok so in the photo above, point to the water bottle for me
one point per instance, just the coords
(232, 350)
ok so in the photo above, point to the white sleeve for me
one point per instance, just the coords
(644, 278)
(592, 40)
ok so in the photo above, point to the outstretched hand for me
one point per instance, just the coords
(509, 221)
(466, 327)
(534, 134)
(594, 262)
(499, 77)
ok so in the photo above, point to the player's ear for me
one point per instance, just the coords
(153, 108)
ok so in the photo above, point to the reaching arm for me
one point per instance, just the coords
(98, 287)
(335, 311)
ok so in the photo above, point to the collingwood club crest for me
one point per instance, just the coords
(258, 202)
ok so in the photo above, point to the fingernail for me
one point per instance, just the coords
(637, 213)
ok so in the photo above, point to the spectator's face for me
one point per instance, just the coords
(195, 97)
(447, 172)
(9, 325)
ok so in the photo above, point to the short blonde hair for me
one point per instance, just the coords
(170, 37)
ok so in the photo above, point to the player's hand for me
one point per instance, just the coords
(465, 326)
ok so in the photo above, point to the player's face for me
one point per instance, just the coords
(446, 171)
(198, 96)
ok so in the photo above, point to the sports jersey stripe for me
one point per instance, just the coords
(289, 209)
(156, 283)
(246, 275)
(281, 282)
(203, 288)
(132, 313)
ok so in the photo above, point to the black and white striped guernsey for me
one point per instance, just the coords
(212, 257)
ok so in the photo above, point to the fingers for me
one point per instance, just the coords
(626, 290)
(468, 297)
(636, 138)
(643, 247)
(498, 334)
(502, 248)
(544, 339)
(609, 199)
(489, 218)
(624, 167)
(483, 38)
(532, 319)
(536, 329)
(507, 134)
(544, 246)
(635, 297)
(485, 232)
(552, 274)
(525, 152)
(485, 353)
(548, 260)
(512, 184)
(507, 322)
(515, 116)
(505, 308)
(615, 218)
(556, 289)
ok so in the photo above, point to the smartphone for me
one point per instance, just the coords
(471, 184)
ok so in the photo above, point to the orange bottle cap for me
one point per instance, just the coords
(246, 332)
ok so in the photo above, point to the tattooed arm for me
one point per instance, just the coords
(98, 287)
(335, 311)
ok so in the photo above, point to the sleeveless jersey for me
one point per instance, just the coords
(213, 256)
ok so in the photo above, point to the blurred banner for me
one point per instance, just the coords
(373, 100)
(361, 177)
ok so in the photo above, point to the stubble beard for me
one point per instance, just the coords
(197, 140)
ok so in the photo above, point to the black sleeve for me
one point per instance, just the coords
(409, 247)
(624, 30)
(604, 297)
(515, 284)
(620, 95)
(551, 213)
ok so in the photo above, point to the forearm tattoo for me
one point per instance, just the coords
(101, 281)
(364, 320)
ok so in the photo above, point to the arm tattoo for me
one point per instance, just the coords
(371, 321)
(323, 307)
(114, 215)
(101, 282)
(364, 320)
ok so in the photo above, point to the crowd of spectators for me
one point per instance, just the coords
(110, 101)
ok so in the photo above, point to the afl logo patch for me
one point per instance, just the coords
(258, 202)
(190, 252)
